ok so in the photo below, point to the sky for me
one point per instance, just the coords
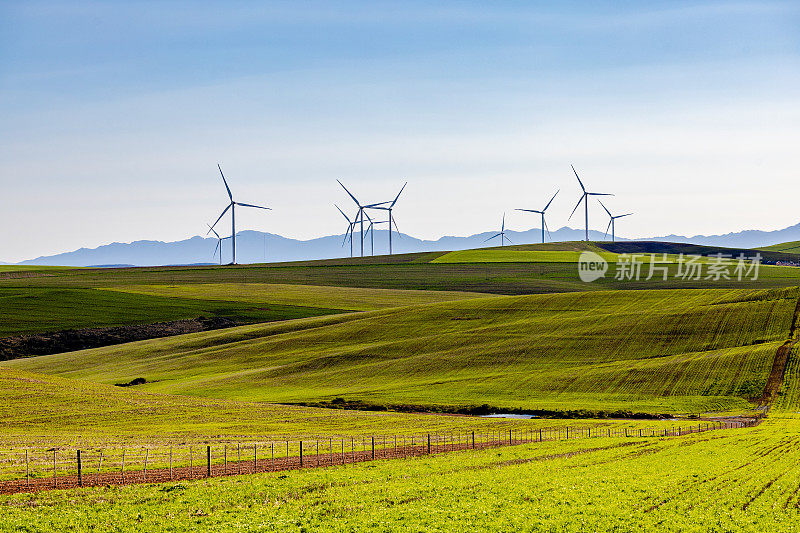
(114, 116)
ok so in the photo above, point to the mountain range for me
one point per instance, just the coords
(258, 247)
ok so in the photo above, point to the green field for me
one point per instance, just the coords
(683, 351)
(792, 247)
(346, 298)
(512, 328)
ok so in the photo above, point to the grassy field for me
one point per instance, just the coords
(47, 299)
(349, 298)
(684, 350)
(655, 351)
(37, 310)
(721, 481)
(792, 247)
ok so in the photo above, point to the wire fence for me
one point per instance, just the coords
(30, 470)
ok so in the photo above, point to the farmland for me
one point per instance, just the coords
(655, 351)
(512, 328)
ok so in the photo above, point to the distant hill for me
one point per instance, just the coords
(792, 247)
(258, 247)
(743, 239)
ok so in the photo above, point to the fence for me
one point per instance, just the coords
(28, 470)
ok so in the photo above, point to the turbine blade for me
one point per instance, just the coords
(377, 206)
(608, 227)
(579, 178)
(551, 200)
(492, 237)
(509, 240)
(625, 215)
(348, 192)
(577, 206)
(599, 194)
(503, 226)
(342, 212)
(251, 205)
(230, 195)
(212, 229)
(529, 210)
(222, 215)
(604, 207)
(547, 229)
(398, 194)
(394, 221)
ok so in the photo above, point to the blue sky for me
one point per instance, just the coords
(115, 115)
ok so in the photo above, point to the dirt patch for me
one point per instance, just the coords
(80, 339)
(776, 375)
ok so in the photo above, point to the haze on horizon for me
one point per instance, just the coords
(115, 115)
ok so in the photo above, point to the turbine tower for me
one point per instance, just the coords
(612, 219)
(502, 234)
(585, 199)
(391, 221)
(232, 206)
(544, 224)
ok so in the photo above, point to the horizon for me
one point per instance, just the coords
(117, 115)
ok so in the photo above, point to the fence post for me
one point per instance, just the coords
(301, 454)
(429, 448)
(272, 456)
(80, 470)
(170, 462)
(567, 433)
(255, 459)
(226, 459)
(146, 457)
(239, 456)
(473, 440)
(27, 471)
(373, 448)
(122, 471)
(208, 460)
(55, 482)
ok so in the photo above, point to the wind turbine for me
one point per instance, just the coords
(360, 216)
(370, 230)
(544, 224)
(612, 218)
(219, 243)
(232, 207)
(391, 218)
(502, 234)
(349, 233)
(585, 199)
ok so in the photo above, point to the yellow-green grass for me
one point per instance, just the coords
(40, 411)
(731, 480)
(348, 298)
(33, 268)
(792, 247)
(657, 351)
(26, 310)
(516, 256)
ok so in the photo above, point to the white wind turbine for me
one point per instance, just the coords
(544, 224)
(585, 199)
(232, 206)
(502, 234)
(219, 243)
(612, 219)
